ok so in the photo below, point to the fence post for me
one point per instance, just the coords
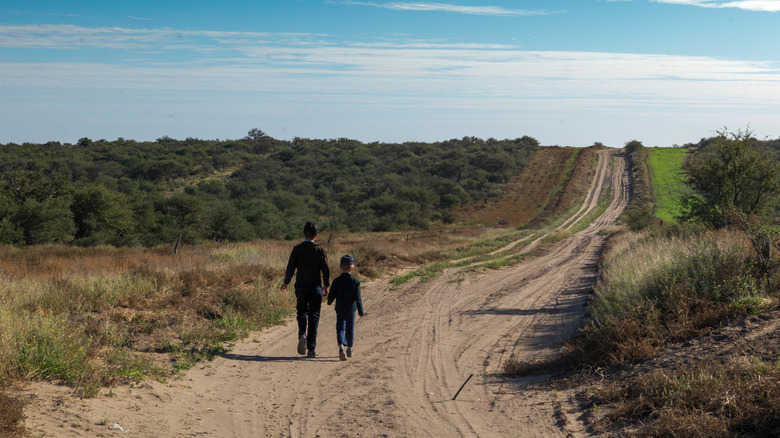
(176, 247)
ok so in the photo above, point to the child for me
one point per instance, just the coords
(309, 259)
(345, 290)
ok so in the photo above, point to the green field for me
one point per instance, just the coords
(665, 164)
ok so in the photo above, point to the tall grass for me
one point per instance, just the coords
(91, 318)
(664, 287)
(715, 266)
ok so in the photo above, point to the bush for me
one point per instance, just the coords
(665, 287)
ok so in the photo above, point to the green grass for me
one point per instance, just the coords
(665, 164)
(425, 273)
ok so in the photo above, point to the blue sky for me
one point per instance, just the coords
(568, 72)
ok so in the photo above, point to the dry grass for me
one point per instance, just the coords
(95, 317)
(661, 289)
(738, 398)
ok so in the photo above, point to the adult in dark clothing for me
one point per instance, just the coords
(345, 290)
(311, 285)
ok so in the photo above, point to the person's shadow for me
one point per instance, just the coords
(256, 358)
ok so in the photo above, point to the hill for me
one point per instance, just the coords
(552, 182)
(128, 193)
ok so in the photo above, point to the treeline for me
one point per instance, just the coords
(128, 193)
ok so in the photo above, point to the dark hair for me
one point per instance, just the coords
(310, 230)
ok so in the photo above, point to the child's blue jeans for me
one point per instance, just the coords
(345, 328)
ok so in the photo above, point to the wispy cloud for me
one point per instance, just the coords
(304, 74)
(69, 37)
(748, 5)
(446, 7)
(317, 64)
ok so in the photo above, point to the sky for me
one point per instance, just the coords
(566, 72)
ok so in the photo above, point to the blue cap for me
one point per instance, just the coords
(347, 260)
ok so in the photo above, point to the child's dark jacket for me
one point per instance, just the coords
(345, 290)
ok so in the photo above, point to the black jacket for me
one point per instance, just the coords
(309, 259)
(346, 291)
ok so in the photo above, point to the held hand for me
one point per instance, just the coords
(284, 287)
(324, 291)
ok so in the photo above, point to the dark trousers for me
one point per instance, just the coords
(308, 304)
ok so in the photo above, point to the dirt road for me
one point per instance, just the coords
(418, 344)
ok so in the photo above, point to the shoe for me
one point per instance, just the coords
(302, 345)
(342, 355)
(349, 352)
(311, 353)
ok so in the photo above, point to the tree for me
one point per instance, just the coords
(731, 173)
(101, 216)
(44, 221)
(256, 134)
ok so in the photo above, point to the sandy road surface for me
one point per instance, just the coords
(415, 348)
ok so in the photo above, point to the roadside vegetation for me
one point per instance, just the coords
(669, 284)
(640, 212)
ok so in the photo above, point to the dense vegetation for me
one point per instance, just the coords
(730, 174)
(128, 193)
(640, 212)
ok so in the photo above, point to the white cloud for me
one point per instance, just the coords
(318, 81)
(446, 7)
(748, 5)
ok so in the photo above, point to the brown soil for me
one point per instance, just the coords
(527, 198)
(417, 346)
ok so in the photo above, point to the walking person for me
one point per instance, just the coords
(345, 290)
(311, 285)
